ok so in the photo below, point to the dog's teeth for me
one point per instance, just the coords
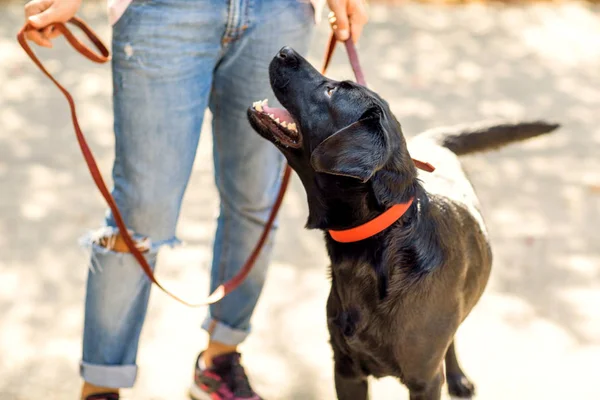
(264, 102)
(257, 105)
(272, 116)
(292, 127)
(277, 120)
(284, 124)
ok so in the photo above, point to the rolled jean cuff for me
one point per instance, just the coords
(111, 376)
(219, 332)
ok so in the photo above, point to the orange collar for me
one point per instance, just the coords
(374, 226)
(381, 222)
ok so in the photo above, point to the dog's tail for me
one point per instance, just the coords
(465, 139)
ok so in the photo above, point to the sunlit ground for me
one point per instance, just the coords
(534, 335)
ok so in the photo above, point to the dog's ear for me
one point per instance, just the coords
(357, 151)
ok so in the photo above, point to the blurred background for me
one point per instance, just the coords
(534, 335)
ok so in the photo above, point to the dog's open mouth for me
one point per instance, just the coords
(279, 122)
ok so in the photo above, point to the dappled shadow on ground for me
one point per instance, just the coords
(435, 66)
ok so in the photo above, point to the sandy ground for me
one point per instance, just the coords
(534, 335)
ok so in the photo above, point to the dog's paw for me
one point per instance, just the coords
(460, 387)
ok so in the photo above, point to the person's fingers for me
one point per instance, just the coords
(358, 19)
(37, 38)
(32, 9)
(341, 26)
(42, 20)
(36, 6)
(40, 13)
(50, 32)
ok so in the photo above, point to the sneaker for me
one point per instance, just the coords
(103, 396)
(225, 380)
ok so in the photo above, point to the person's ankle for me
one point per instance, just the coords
(88, 389)
(215, 349)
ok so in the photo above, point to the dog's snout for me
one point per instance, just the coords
(287, 54)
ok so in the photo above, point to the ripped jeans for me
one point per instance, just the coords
(172, 59)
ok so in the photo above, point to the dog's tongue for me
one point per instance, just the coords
(280, 113)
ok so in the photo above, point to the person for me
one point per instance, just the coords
(172, 59)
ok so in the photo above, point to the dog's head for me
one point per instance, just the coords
(340, 138)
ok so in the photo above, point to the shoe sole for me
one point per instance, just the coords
(198, 394)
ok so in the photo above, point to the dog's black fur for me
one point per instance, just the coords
(398, 297)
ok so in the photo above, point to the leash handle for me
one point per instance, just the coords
(101, 57)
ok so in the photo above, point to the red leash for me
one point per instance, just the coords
(352, 56)
(102, 57)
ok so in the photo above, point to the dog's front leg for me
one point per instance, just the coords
(431, 390)
(458, 384)
(350, 380)
(350, 386)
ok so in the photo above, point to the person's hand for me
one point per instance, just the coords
(43, 13)
(347, 16)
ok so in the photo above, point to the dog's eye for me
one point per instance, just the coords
(329, 91)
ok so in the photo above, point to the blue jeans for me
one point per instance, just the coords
(172, 59)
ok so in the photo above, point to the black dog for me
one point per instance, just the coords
(397, 297)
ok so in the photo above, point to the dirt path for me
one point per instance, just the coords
(535, 334)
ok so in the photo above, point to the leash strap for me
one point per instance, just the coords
(102, 57)
(352, 56)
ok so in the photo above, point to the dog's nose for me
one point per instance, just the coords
(286, 53)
